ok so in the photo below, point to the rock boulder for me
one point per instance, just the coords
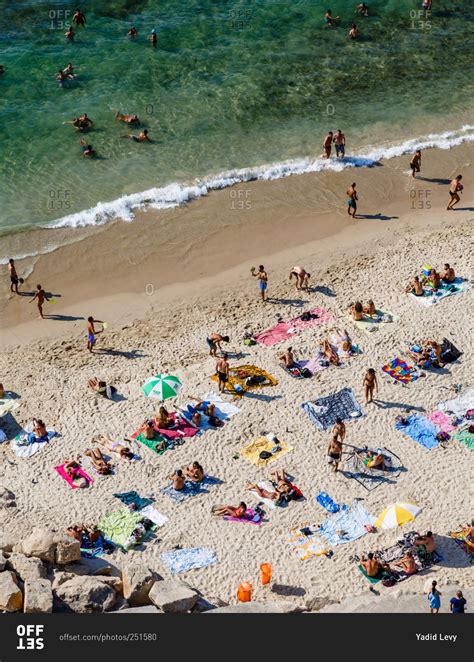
(38, 597)
(84, 595)
(137, 581)
(26, 567)
(173, 596)
(39, 543)
(11, 597)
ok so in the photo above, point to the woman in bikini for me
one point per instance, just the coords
(72, 468)
(370, 384)
(231, 511)
(116, 447)
(99, 462)
(356, 310)
(329, 353)
(163, 419)
(195, 472)
(370, 308)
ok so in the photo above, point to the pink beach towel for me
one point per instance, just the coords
(284, 330)
(62, 472)
(442, 421)
(183, 429)
(246, 519)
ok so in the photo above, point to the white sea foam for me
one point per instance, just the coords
(176, 194)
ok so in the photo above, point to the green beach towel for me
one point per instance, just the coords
(372, 580)
(157, 445)
(465, 437)
(118, 525)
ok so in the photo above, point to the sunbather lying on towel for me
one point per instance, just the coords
(195, 473)
(284, 490)
(329, 354)
(287, 358)
(194, 413)
(372, 460)
(79, 531)
(342, 340)
(371, 566)
(99, 462)
(116, 447)
(430, 353)
(231, 511)
(39, 429)
(72, 467)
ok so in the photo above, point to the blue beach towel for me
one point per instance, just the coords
(323, 412)
(133, 497)
(190, 489)
(182, 560)
(420, 429)
(327, 503)
(347, 525)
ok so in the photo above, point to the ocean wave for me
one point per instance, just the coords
(176, 194)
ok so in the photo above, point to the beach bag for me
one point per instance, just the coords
(249, 342)
(470, 414)
(390, 581)
(265, 455)
(443, 436)
(470, 429)
(306, 373)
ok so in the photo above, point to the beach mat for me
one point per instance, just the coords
(375, 323)
(183, 429)
(442, 421)
(373, 580)
(285, 330)
(223, 410)
(190, 489)
(464, 437)
(368, 477)
(401, 371)
(265, 485)
(118, 525)
(430, 298)
(460, 538)
(62, 472)
(460, 404)
(23, 447)
(346, 525)
(236, 383)
(129, 498)
(250, 517)
(252, 451)
(306, 545)
(151, 513)
(182, 560)
(420, 429)
(9, 402)
(323, 412)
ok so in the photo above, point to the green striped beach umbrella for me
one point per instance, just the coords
(161, 387)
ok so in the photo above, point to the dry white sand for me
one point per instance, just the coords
(51, 379)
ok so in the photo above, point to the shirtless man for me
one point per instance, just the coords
(79, 18)
(141, 138)
(454, 188)
(339, 430)
(222, 369)
(39, 297)
(427, 542)
(14, 280)
(153, 38)
(69, 71)
(85, 121)
(371, 566)
(132, 33)
(92, 333)
(415, 163)
(362, 9)
(354, 31)
(327, 145)
(214, 342)
(128, 119)
(301, 276)
(287, 358)
(407, 564)
(339, 141)
(448, 275)
(334, 452)
(415, 287)
(69, 34)
(86, 148)
(179, 479)
(330, 19)
(352, 199)
(263, 278)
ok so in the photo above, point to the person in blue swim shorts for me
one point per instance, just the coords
(263, 278)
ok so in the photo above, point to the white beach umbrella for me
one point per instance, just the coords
(397, 514)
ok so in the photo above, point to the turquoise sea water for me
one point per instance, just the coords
(231, 84)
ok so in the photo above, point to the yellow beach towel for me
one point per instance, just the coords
(306, 546)
(253, 450)
(239, 375)
(370, 324)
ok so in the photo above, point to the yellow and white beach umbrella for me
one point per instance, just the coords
(397, 514)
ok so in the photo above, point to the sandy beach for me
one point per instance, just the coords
(200, 283)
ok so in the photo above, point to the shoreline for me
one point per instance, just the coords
(163, 254)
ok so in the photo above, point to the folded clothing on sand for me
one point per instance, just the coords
(401, 371)
(284, 330)
(323, 412)
(420, 429)
(265, 445)
(182, 560)
(77, 472)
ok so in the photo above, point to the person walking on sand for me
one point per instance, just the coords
(339, 430)
(334, 452)
(457, 605)
(327, 145)
(39, 297)
(339, 141)
(370, 384)
(434, 598)
(92, 333)
(14, 280)
(222, 369)
(301, 276)
(454, 188)
(263, 278)
(352, 199)
(415, 163)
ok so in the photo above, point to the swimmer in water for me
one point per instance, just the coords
(153, 38)
(69, 71)
(354, 31)
(362, 9)
(69, 34)
(86, 148)
(132, 33)
(128, 119)
(330, 19)
(79, 18)
(141, 138)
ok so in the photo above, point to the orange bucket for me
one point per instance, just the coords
(265, 573)
(244, 592)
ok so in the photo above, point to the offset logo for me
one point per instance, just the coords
(30, 637)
